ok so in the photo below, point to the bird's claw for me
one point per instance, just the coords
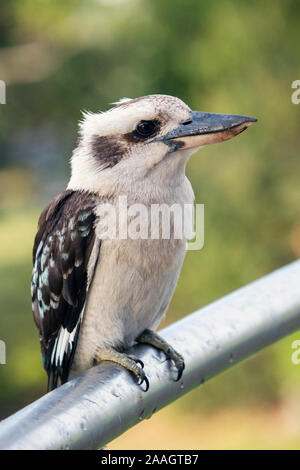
(151, 337)
(143, 378)
(137, 360)
(178, 361)
(128, 361)
(140, 373)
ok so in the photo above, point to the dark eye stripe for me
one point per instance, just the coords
(108, 150)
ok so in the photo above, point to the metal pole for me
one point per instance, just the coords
(101, 404)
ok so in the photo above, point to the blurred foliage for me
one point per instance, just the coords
(59, 57)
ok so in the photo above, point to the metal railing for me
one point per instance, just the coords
(101, 404)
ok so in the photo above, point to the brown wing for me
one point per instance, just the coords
(62, 247)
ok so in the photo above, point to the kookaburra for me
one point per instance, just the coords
(92, 297)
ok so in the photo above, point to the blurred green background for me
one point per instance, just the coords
(58, 57)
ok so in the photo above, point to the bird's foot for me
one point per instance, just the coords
(152, 338)
(128, 361)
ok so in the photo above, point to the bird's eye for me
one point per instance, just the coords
(146, 128)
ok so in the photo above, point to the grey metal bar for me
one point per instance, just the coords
(101, 404)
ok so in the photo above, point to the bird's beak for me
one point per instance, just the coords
(207, 128)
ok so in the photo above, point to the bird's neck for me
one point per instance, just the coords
(163, 177)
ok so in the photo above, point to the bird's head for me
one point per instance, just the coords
(148, 138)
